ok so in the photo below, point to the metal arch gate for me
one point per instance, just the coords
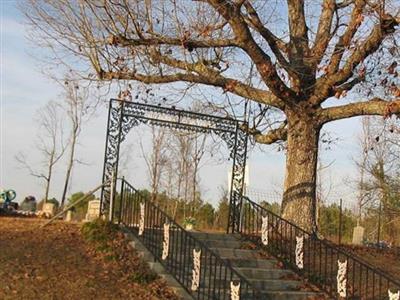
(124, 115)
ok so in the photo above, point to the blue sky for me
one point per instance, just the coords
(24, 90)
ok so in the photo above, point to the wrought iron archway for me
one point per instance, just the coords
(124, 115)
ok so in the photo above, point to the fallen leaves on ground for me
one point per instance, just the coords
(56, 262)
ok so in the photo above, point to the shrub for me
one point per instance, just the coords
(107, 239)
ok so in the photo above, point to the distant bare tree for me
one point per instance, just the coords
(361, 162)
(125, 157)
(197, 154)
(50, 144)
(156, 159)
(380, 168)
(78, 110)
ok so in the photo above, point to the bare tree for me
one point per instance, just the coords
(361, 162)
(320, 50)
(156, 159)
(50, 144)
(197, 154)
(125, 158)
(78, 110)
(379, 166)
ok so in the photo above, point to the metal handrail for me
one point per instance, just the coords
(363, 279)
(220, 272)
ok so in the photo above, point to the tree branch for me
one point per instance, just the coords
(375, 106)
(324, 31)
(276, 45)
(298, 27)
(228, 84)
(274, 135)
(246, 41)
(119, 40)
(345, 39)
(215, 78)
(325, 84)
(21, 159)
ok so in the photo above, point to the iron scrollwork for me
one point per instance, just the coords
(123, 116)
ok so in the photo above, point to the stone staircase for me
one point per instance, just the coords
(266, 274)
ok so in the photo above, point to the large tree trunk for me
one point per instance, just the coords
(299, 200)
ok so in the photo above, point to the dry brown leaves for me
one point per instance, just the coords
(56, 263)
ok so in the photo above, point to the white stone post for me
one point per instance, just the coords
(394, 296)
(165, 242)
(300, 252)
(342, 278)
(235, 291)
(141, 220)
(112, 193)
(264, 230)
(196, 270)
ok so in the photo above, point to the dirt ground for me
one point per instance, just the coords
(56, 263)
(387, 260)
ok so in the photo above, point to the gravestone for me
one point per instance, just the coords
(93, 211)
(68, 217)
(358, 235)
(49, 209)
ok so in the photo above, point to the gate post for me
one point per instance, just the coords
(238, 154)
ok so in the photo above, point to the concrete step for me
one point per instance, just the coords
(263, 295)
(266, 274)
(263, 279)
(210, 239)
(215, 236)
(275, 284)
(287, 295)
(236, 253)
(260, 284)
(254, 263)
(232, 244)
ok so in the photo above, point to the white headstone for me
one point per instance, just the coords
(49, 209)
(68, 217)
(93, 211)
(358, 235)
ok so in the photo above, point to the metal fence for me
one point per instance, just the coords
(195, 266)
(337, 271)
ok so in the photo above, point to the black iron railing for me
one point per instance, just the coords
(216, 275)
(319, 261)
